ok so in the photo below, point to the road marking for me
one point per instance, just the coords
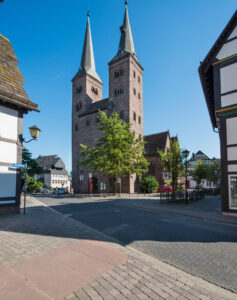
(67, 215)
(116, 229)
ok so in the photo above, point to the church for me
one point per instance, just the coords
(125, 97)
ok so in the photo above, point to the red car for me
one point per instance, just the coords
(164, 189)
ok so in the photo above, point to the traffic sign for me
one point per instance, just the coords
(19, 165)
(90, 175)
(166, 175)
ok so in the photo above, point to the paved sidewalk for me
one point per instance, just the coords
(45, 255)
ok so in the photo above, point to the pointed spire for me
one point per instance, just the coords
(126, 44)
(87, 59)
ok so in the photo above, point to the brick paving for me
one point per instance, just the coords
(140, 277)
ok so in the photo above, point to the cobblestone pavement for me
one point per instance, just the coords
(141, 277)
(36, 232)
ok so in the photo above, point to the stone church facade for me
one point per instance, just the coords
(125, 97)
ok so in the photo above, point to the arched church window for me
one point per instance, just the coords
(134, 116)
(76, 128)
(80, 105)
(138, 79)
(139, 120)
(134, 91)
(139, 96)
(134, 74)
(121, 72)
(121, 89)
(88, 121)
(79, 89)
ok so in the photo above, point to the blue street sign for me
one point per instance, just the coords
(19, 165)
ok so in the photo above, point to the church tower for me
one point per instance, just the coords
(126, 85)
(86, 89)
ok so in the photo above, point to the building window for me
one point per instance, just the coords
(97, 119)
(94, 90)
(118, 73)
(134, 116)
(118, 91)
(134, 91)
(88, 121)
(121, 114)
(121, 89)
(139, 96)
(139, 120)
(138, 79)
(79, 89)
(76, 128)
(134, 74)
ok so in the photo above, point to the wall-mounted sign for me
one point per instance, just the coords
(90, 175)
(118, 180)
(166, 175)
(19, 165)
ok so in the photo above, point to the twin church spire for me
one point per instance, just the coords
(126, 45)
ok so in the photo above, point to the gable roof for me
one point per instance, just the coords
(96, 106)
(206, 70)
(194, 156)
(50, 162)
(11, 80)
(155, 141)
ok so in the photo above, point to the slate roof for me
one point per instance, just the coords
(50, 162)
(126, 44)
(96, 106)
(11, 80)
(206, 69)
(87, 59)
(155, 141)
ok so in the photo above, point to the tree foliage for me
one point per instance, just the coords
(213, 173)
(32, 167)
(149, 184)
(199, 173)
(171, 161)
(33, 186)
(117, 152)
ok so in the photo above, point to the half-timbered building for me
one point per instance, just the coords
(218, 74)
(14, 103)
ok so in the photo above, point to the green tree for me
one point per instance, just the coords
(213, 173)
(32, 167)
(199, 173)
(117, 153)
(33, 186)
(171, 161)
(149, 184)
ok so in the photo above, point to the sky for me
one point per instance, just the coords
(171, 38)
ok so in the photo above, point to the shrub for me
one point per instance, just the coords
(149, 185)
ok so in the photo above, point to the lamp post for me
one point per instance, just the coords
(34, 132)
(185, 155)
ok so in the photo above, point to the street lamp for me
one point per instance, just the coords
(34, 132)
(185, 155)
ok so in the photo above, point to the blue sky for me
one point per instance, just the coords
(171, 38)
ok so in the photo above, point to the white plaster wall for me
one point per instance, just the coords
(232, 153)
(8, 123)
(233, 34)
(227, 49)
(229, 78)
(229, 99)
(232, 168)
(231, 131)
(7, 182)
(8, 152)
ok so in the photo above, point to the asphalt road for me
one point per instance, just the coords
(202, 248)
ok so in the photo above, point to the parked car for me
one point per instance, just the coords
(164, 189)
